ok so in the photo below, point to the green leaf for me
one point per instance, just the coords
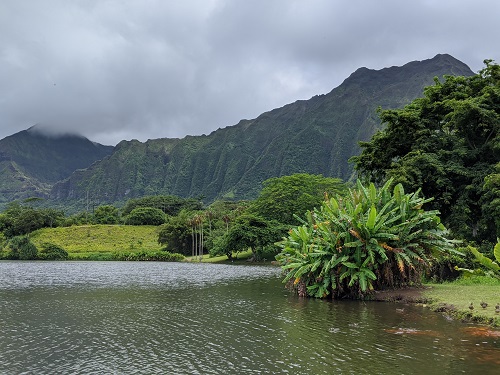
(372, 215)
(349, 265)
(362, 281)
(373, 193)
(353, 244)
(485, 261)
(398, 192)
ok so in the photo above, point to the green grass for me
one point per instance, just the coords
(84, 239)
(237, 257)
(455, 298)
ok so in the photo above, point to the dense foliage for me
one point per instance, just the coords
(484, 265)
(50, 251)
(251, 232)
(168, 204)
(106, 214)
(282, 198)
(177, 235)
(145, 216)
(368, 239)
(18, 219)
(447, 144)
(20, 247)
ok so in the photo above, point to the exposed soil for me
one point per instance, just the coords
(405, 295)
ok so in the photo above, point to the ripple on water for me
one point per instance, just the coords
(157, 318)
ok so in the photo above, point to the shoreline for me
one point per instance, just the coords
(423, 295)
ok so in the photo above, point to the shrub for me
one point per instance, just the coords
(368, 239)
(51, 251)
(106, 214)
(22, 248)
(158, 256)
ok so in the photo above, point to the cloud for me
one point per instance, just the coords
(124, 69)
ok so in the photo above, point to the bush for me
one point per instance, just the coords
(22, 248)
(157, 256)
(106, 214)
(51, 251)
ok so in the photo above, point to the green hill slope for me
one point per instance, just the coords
(85, 239)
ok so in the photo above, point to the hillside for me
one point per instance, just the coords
(100, 238)
(316, 136)
(32, 161)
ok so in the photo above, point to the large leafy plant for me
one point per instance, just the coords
(369, 239)
(488, 267)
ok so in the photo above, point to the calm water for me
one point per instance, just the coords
(180, 318)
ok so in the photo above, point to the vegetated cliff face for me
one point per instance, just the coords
(316, 136)
(32, 161)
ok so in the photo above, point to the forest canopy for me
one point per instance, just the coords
(446, 143)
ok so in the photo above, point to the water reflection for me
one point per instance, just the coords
(147, 318)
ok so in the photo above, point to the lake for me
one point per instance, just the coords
(184, 318)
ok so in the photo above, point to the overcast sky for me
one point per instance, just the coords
(139, 69)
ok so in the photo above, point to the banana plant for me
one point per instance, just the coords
(370, 238)
(489, 267)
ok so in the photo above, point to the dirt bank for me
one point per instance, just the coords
(406, 295)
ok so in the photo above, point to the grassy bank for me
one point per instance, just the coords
(80, 241)
(241, 256)
(455, 298)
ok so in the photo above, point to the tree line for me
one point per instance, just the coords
(188, 227)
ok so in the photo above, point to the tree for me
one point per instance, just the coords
(22, 248)
(251, 232)
(19, 220)
(169, 204)
(176, 234)
(445, 143)
(490, 201)
(283, 197)
(106, 214)
(366, 240)
(220, 216)
(145, 216)
(52, 217)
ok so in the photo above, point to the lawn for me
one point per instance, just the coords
(100, 238)
(455, 298)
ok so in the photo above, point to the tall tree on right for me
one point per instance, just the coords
(447, 143)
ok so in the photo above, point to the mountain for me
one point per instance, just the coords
(32, 160)
(316, 136)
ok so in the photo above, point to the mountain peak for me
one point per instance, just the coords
(441, 64)
(49, 131)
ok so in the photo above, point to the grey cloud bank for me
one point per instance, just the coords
(114, 69)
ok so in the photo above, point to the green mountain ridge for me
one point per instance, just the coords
(316, 136)
(31, 161)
